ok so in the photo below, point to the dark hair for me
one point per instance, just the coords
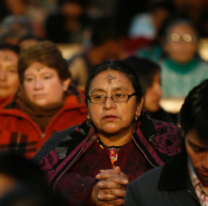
(45, 53)
(144, 68)
(104, 29)
(194, 112)
(119, 66)
(172, 21)
(10, 47)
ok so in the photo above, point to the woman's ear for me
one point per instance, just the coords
(65, 84)
(139, 107)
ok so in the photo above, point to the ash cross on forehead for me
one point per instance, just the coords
(7, 58)
(110, 78)
(39, 67)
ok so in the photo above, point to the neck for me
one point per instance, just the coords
(117, 139)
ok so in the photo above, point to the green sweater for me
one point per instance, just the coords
(179, 79)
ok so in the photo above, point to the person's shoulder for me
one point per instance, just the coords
(53, 142)
(202, 65)
(148, 178)
(165, 127)
(13, 112)
(72, 102)
(64, 133)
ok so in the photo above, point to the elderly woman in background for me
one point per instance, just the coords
(9, 81)
(181, 70)
(43, 104)
(149, 73)
(115, 145)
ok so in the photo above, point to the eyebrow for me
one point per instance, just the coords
(114, 89)
(197, 146)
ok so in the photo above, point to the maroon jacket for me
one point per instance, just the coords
(156, 140)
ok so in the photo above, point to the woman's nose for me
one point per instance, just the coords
(38, 84)
(109, 103)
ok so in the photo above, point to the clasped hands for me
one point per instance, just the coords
(110, 190)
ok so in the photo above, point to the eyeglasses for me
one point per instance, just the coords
(185, 37)
(97, 99)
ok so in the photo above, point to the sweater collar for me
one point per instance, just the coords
(181, 68)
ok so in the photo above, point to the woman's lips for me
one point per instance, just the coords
(109, 118)
(39, 96)
(203, 173)
(4, 87)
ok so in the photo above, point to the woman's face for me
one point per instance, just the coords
(113, 117)
(153, 94)
(43, 86)
(181, 43)
(9, 79)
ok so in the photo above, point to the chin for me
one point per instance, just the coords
(111, 130)
(40, 103)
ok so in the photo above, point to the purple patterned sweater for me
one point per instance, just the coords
(157, 141)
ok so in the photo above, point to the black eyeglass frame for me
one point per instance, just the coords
(129, 96)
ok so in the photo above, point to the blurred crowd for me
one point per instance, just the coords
(53, 52)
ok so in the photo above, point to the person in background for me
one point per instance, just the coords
(181, 70)
(92, 163)
(29, 10)
(13, 28)
(69, 23)
(107, 44)
(9, 80)
(149, 23)
(148, 73)
(43, 105)
(182, 180)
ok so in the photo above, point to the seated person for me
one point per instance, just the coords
(9, 81)
(107, 44)
(182, 180)
(148, 73)
(13, 28)
(118, 142)
(145, 27)
(68, 24)
(181, 70)
(43, 104)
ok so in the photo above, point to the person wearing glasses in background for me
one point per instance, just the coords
(181, 70)
(91, 164)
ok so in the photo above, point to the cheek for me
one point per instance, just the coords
(53, 85)
(13, 78)
(95, 112)
(15, 81)
(193, 156)
(128, 112)
(28, 90)
(191, 48)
